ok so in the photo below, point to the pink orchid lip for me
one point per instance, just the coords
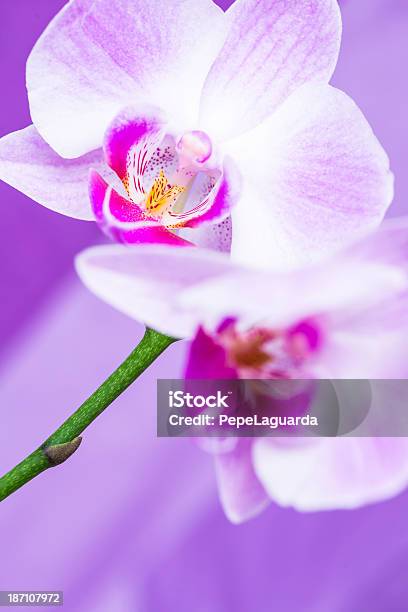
(261, 351)
(196, 146)
(304, 338)
(168, 185)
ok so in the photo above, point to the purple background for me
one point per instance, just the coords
(133, 523)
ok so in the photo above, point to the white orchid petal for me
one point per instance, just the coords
(31, 166)
(273, 47)
(145, 282)
(98, 56)
(327, 473)
(315, 179)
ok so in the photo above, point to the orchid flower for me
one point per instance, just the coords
(344, 317)
(174, 122)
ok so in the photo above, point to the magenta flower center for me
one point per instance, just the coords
(170, 181)
(269, 353)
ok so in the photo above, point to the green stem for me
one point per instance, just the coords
(64, 441)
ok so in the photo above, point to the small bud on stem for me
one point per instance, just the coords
(58, 453)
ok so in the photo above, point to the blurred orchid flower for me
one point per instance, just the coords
(345, 317)
(182, 110)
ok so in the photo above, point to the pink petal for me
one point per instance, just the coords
(329, 473)
(389, 245)
(316, 179)
(354, 351)
(31, 166)
(369, 340)
(282, 300)
(123, 220)
(242, 494)
(273, 47)
(98, 56)
(145, 282)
